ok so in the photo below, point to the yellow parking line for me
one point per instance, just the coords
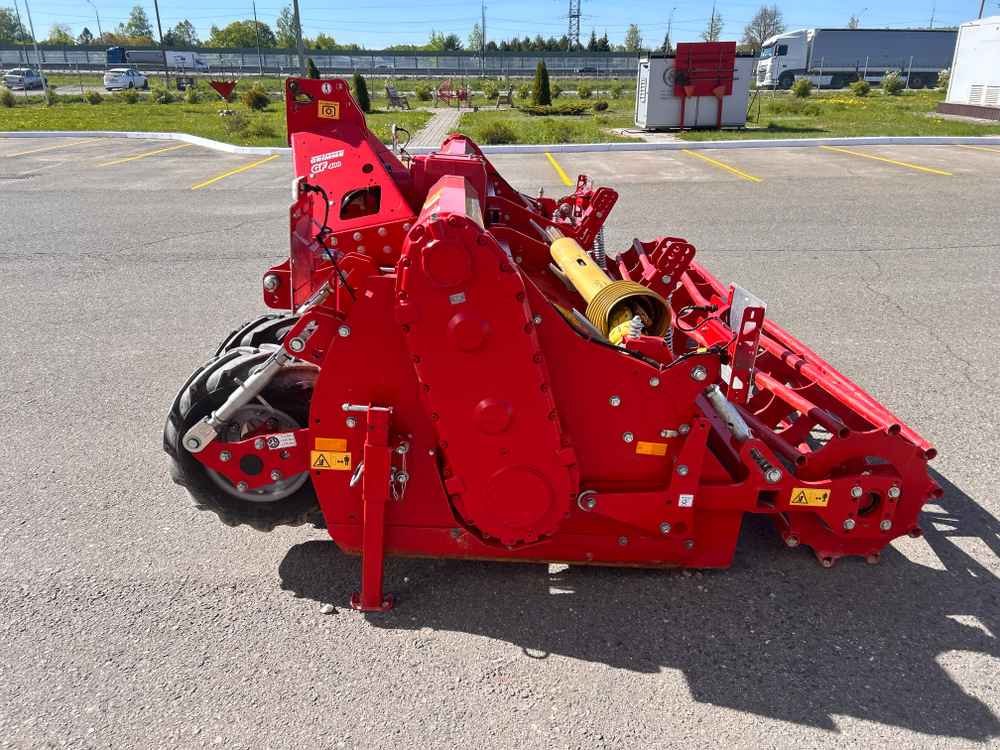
(722, 165)
(58, 145)
(143, 156)
(231, 172)
(978, 148)
(559, 170)
(929, 170)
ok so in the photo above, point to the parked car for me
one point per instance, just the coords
(23, 78)
(587, 69)
(125, 78)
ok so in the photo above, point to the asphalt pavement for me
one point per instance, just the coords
(130, 619)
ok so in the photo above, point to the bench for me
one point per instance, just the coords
(447, 92)
(507, 98)
(396, 99)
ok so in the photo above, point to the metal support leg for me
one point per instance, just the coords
(375, 495)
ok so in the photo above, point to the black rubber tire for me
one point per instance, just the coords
(205, 391)
(916, 81)
(267, 329)
(785, 81)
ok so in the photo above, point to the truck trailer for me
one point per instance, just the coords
(833, 58)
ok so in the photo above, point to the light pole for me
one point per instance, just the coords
(670, 25)
(299, 46)
(100, 32)
(256, 28)
(163, 51)
(38, 57)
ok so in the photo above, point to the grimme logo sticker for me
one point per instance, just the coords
(328, 110)
(324, 162)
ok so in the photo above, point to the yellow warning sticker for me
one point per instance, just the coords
(328, 110)
(806, 497)
(650, 449)
(330, 461)
(330, 444)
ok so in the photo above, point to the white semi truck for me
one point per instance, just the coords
(833, 58)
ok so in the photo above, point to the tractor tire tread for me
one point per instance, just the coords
(204, 391)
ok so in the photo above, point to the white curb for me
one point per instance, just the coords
(556, 148)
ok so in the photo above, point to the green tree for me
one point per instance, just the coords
(713, 30)
(324, 42)
(285, 28)
(854, 22)
(540, 92)
(361, 93)
(476, 38)
(60, 33)
(241, 34)
(183, 34)
(137, 26)
(603, 45)
(633, 39)
(86, 37)
(11, 30)
(440, 42)
(766, 23)
(311, 70)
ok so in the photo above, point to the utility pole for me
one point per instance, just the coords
(256, 28)
(163, 51)
(100, 31)
(670, 24)
(38, 57)
(982, 5)
(299, 46)
(574, 24)
(933, 11)
(20, 26)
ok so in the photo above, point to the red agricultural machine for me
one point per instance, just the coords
(458, 370)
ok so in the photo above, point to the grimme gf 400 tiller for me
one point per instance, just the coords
(460, 371)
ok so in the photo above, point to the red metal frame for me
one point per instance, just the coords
(529, 439)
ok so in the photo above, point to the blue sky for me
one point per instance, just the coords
(383, 22)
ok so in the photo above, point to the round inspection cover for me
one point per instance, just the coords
(518, 505)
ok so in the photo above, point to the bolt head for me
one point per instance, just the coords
(402, 477)
(856, 491)
(296, 344)
(665, 528)
(628, 437)
(275, 475)
(351, 422)
(682, 470)
(537, 320)
(382, 232)
(894, 492)
(699, 373)
(792, 541)
(259, 444)
(684, 429)
(225, 456)
(623, 540)
(193, 443)
(615, 401)
(357, 236)
(689, 544)
(242, 486)
(772, 475)
(654, 381)
(402, 448)
(590, 503)
(271, 282)
(344, 331)
(849, 524)
(886, 525)
(666, 279)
